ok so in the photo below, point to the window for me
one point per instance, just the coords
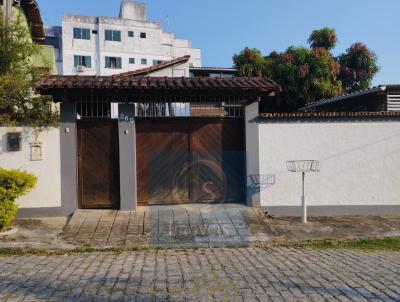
(144, 61)
(14, 141)
(112, 35)
(85, 61)
(113, 62)
(82, 33)
(131, 60)
(131, 34)
(143, 35)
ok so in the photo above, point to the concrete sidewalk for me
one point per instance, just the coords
(169, 226)
(189, 226)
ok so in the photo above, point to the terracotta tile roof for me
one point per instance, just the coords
(242, 84)
(146, 71)
(32, 13)
(329, 114)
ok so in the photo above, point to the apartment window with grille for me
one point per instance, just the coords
(81, 33)
(143, 35)
(131, 60)
(112, 35)
(131, 34)
(113, 63)
(85, 61)
(144, 61)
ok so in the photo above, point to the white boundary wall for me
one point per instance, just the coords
(47, 192)
(360, 161)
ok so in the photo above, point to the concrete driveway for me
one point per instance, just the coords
(169, 226)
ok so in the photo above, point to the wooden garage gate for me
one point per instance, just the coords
(190, 160)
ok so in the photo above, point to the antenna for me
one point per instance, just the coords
(170, 31)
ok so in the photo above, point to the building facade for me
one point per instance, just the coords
(109, 45)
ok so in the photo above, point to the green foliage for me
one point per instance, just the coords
(18, 103)
(323, 38)
(13, 184)
(8, 210)
(357, 67)
(304, 74)
(249, 62)
(310, 74)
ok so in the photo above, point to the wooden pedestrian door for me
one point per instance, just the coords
(98, 164)
(190, 160)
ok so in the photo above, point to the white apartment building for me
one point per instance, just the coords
(109, 45)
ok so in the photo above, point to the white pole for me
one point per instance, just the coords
(7, 8)
(303, 200)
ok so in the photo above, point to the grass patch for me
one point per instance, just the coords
(368, 244)
(7, 252)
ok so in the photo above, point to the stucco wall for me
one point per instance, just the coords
(360, 162)
(47, 192)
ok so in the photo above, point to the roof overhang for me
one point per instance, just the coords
(148, 70)
(32, 13)
(347, 97)
(127, 89)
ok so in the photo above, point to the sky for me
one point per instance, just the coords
(221, 28)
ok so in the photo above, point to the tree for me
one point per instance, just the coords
(305, 75)
(323, 38)
(310, 74)
(249, 62)
(19, 105)
(357, 67)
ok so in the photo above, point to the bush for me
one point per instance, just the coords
(13, 184)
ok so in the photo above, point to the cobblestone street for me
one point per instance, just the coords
(244, 274)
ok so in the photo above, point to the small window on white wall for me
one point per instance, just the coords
(85, 61)
(144, 61)
(81, 33)
(112, 35)
(113, 62)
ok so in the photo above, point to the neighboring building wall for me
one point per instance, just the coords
(46, 58)
(46, 196)
(360, 165)
(54, 38)
(178, 70)
(157, 45)
(47, 193)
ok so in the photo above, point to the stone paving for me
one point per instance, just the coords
(236, 274)
(169, 226)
